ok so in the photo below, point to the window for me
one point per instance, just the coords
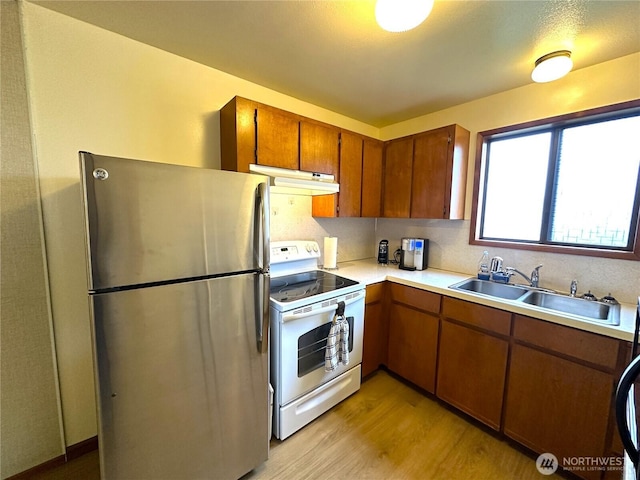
(568, 184)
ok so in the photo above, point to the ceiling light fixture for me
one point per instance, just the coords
(402, 15)
(552, 66)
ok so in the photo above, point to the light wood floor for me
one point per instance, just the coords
(386, 431)
(389, 431)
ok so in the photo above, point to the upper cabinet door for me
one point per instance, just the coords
(440, 173)
(360, 176)
(431, 153)
(397, 178)
(319, 148)
(350, 175)
(277, 139)
(372, 178)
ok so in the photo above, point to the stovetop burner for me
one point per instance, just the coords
(307, 284)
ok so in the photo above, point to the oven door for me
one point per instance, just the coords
(301, 345)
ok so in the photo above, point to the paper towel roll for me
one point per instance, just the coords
(330, 252)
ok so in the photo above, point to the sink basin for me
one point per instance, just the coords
(493, 289)
(600, 311)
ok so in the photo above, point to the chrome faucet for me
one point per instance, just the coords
(533, 281)
(535, 276)
(574, 288)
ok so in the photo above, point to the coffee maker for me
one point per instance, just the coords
(414, 254)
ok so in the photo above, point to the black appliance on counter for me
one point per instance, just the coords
(627, 406)
(383, 251)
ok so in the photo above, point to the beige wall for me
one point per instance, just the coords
(94, 90)
(30, 415)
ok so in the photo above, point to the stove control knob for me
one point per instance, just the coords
(309, 247)
(315, 247)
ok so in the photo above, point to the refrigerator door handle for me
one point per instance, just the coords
(262, 313)
(262, 250)
(262, 226)
(625, 408)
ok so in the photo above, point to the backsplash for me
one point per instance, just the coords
(449, 248)
(291, 220)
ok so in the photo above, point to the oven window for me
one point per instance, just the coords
(312, 345)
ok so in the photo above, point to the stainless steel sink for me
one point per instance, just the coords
(493, 289)
(600, 311)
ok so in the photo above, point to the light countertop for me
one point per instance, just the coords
(369, 271)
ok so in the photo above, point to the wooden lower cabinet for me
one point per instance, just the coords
(546, 386)
(558, 406)
(472, 371)
(374, 350)
(413, 345)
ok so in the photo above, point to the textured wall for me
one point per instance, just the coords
(30, 418)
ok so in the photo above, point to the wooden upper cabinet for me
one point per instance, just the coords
(440, 173)
(397, 178)
(277, 139)
(360, 177)
(238, 135)
(371, 197)
(251, 132)
(428, 180)
(418, 176)
(349, 198)
(429, 183)
(319, 148)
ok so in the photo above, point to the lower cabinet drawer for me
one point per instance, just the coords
(414, 297)
(590, 347)
(479, 316)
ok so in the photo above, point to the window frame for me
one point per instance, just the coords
(618, 110)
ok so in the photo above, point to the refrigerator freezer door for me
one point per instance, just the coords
(183, 387)
(153, 222)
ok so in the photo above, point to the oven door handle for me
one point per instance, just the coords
(332, 307)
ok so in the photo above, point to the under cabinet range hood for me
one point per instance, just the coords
(297, 182)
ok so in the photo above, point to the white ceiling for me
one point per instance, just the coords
(333, 54)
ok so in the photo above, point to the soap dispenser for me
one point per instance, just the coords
(483, 266)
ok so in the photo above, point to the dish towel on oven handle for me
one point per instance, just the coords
(337, 350)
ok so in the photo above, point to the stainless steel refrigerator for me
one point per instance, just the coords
(178, 262)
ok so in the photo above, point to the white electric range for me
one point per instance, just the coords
(303, 303)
